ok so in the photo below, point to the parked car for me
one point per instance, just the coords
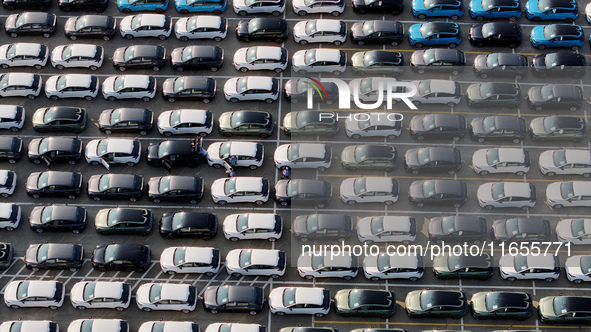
(564, 310)
(260, 58)
(333, 7)
(369, 156)
(245, 7)
(29, 325)
(77, 56)
(57, 218)
(34, 294)
(309, 122)
(577, 267)
(165, 325)
(552, 96)
(319, 60)
(23, 54)
(557, 35)
(124, 221)
(369, 190)
(248, 123)
(521, 229)
(457, 229)
(377, 32)
(495, 34)
(54, 256)
(100, 295)
(256, 262)
(565, 161)
(501, 160)
(466, 266)
(296, 90)
(129, 87)
(118, 120)
(146, 25)
(189, 88)
(379, 62)
(128, 6)
(262, 29)
(169, 154)
(302, 192)
(387, 229)
(435, 34)
(380, 267)
(438, 192)
(433, 159)
(393, 7)
(248, 154)
(41, 5)
(320, 31)
(115, 186)
(139, 57)
(51, 183)
(204, 260)
(185, 121)
(72, 86)
(175, 188)
(311, 266)
(30, 24)
(493, 95)
(559, 64)
(373, 124)
(501, 64)
(438, 60)
(197, 57)
(12, 117)
(109, 151)
(90, 5)
(196, 6)
(498, 127)
(321, 225)
(529, 267)
(6, 255)
(299, 300)
(437, 126)
(59, 118)
(10, 218)
(436, 304)
(11, 149)
(188, 224)
(506, 195)
(20, 85)
(240, 190)
(365, 302)
(122, 257)
(252, 226)
(568, 194)
(557, 128)
(538, 10)
(90, 26)
(201, 26)
(165, 296)
(251, 88)
(438, 8)
(507, 305)
(492, 9)
(233, 299)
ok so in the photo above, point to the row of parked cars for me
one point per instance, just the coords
(303, 300)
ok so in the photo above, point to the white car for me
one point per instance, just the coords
(72, 86)
(253, 226)
(77, 56)
(240, 189)
(244, 7)
(10, 216)
(108, 151)
(160, 296)
(185, 121)
(12, 117)
(501, 160)
(368, 88)
(201, 27)
(369, 190)
(165, 326)
(578, 268)
(387, 229)
(29, 326)
(588, 12)
(251, 88)
(319, 60)
(373, 125)
(565, 161)
(260, 58)
(7, 183)
(233, 327)
(146, 25)
(20, 85)
(299, 300)
(443, 92)
(256, 262)
(303, 155)
(98, 325)
(327, 266)
(248, 154)
(303, 7)
(100, 295)
(34, 294)
(383, 266)
(506, 195)
(568, 194)
(204, 260)
(320, 31)
(575, 231)
(23, 55)
(129, 87)
(529, 267)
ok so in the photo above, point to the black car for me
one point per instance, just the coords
(124, 221)
(303, 191)
(115, 186)
(6, 255)
(463, 266)
(189, 224)
(54, 256)
(458, 229)
(11, 148)
(296, 90)
(51, 150)
(233, 299)
(59, 118)
(175, 188)
(30, 24)
(497, 305)
(390, 63)
(393, 7)
(197, 57)
(377, 32)
(189, 88)
(139, 57)
(263, 29)
(321, 226)
(433, 159)
(123, 257)
(437, 126)
(495, 34)
(498, 127)
(521, 229)
(54, 184)
(251, 123)
(119, 120)
(501, 64)
(559, 64)
(174, 153)
(365, 302)
(59, 218)
(551, 96)
(90, 26)
(438, 60)
(87, 5)
(41, 5)
(436, 304)
(438, 192)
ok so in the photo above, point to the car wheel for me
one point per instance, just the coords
(252, 167)
(391, 137)
(31, 96)
(234, 100)
(111, 98)
(575, 48)
(347, 278)
(96, 198)
(549, 279)
(321, 169)
(222, 202)
(243, 69)
(236, 275)
(520, 173)
(162, 37)
(337, 42)
(422, 16)
(335, 13)
(205, 101)
(242, 13)
(146, 98)
(415, 172)
(209, 274)
(234, 239)
(457, 205)
(489, 207)
(5, 66)
(351, 202)
(284, 203)
(186, 311)
(278, 313)
(269, 100)
(309, 277)
(185, 38)
(156, 200)
(128, 36)
(72, 196)
(147, 309)
(155, 68)
(319, 315)
(540, 140)
(577, 281)
(336, 73)
(275, 13)
(46, 35)
(356, 136)
(133, 199)
(14, 129)
(73, 269)
(419, 45)
(557, 206)
(35, 196)
(360, 43)
(13, 35)
(302, 72)
(453, 45)
(193, 201)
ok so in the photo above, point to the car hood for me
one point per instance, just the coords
(32, 181)
(357, 59)
(440, 263)
(125, 24)
(217, 188)
(348, 188)
(31, 254)
(416, 189)
(500, 230)
(177, 54)
(34, 146)
(3, 50)
(276, 298)
(153, 186)
(10, 291)
(143, 294)
(93, 184)
(213, 151)
(413, 300)
(506, 264)
(299, 30)
(233, 259)
(535, 94)
(477, 126)
(281, 189)
(364, 228)
(152, 152)
(484, 192)
(537, 126)
(479, 159)
(473, 92)
(181, 24)
(546, 306)
(35, 216)
(537, 34)
(119, 54)
(240, 56)
(280, 154)
(341, 300)
(564, 230)
(297, 4)
(51, 84)
(56, 54)
(100, 220)
(168, 86)
(90, 150)
(230, 86)
(357, 30)
(164, 119)
(298, 58)
(417, 58)
(38, 118)
(547, 159)
(416, 123)
(287, 123)
(298, 226)
(348, 155)
(70, 24)
(412, 158)
(476, 30)
(435, 227)
(10, 21)
(105, 117)
(480, 62)
(478, 302)
(108, 87)
(209, 296)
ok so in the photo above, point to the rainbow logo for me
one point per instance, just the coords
(317, 86)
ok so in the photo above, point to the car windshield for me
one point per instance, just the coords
(43, 146)
(429, 56)
(312, 223)
(104, 182)
(292, 188)
(424, 87)
(423, 156)
(550, 32)
(61, 83)
(113, 217)
(491, 300)
(128, 53)
(368, 28)
(559, 157)
(242, 222)
(164, 184)
(46, 215)
(547, 92)
(43, 180)
(179, 256)
(586, 264)
(512, 227)
(492, 60)
(429, 121)
(549, 124)
(426, 299)
(354, 299)
(486, 90)
(42, 252)
(560, 305)
(101, 148)
(489, 124)
(192, 23)
(578, 227)
(310, 56)
(136, 22)
(116, 116)
(492, 156)
(21, 19)
(178, 220)
(317, 262)
(244, 258)
(225, 150)
(155, 293)
(222, 294)
(89, 291)
(22, 290)
(364, 123)
(179, 85)
(429, 188)
(488, 29)
(377, 225)
(552, 60)
(454, 262)
(359, 186)
(448, 225)
(289, 297)
(498, 191)
(293, 151)
(383, 263)
(119, 83)
(18, 327)
(80, 23)
(241, 84)
(230, 186)
(567, 189)
(311, 27)
(365, 87)
(251, 54)
(11, 52)
(520, 263)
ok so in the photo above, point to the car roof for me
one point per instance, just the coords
(377, 151)
(243, 148)
(207, 21)
(130, 214)
(375, 297)
(36, 17)
(307, 186)
(385, 56)
(504, 28)
(178, 147)
(64, 212)
(514, 155)
(328, 25)
(120, 145)
(441, 27)
(264, 257)
(6, 209)
(193, 116)
(136, 81)
(266, 23)
(6, 142)
(445, 298)
(8, 111)
(581, 187)
(64, 112)
(246, 117)
(307, 295)
(501, 88)
(566, 91)
(442, 86)
(447, 120)
(508, 122)
(560, 3)
(146, 50)
(60, 250)
(121, 180)
(464, 261)
(195, 82)
(404, 261)
(541, 262)
(27, 48)
(194, 219)
(179, 182)
(565, 29)
(152, 19)
(499, 3)
(511, 299)
(268, 52)
(126, 251)
(314, 150)
(261, 220)
(566, 58)
(174, 291)
(449, 186)
(248, 183)
(575, 303)
(443, 54)
(107, 289)
(59, 178)
(131, 114)
(509, 59)
(442, 153)
(259, 82)
(568, 122)
(325, 54)
(517, 189)
(78, 80)
(466, 223)
(84, 50)
(24, 79)
(386, 25)
(577, 156)
(342, 260)
(41, 288)
(95, 20)
(204, 51)
(198, 255)
(396, 223)
(241, 293)
(531, 225)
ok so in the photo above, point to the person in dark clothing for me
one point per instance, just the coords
(285, 172)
